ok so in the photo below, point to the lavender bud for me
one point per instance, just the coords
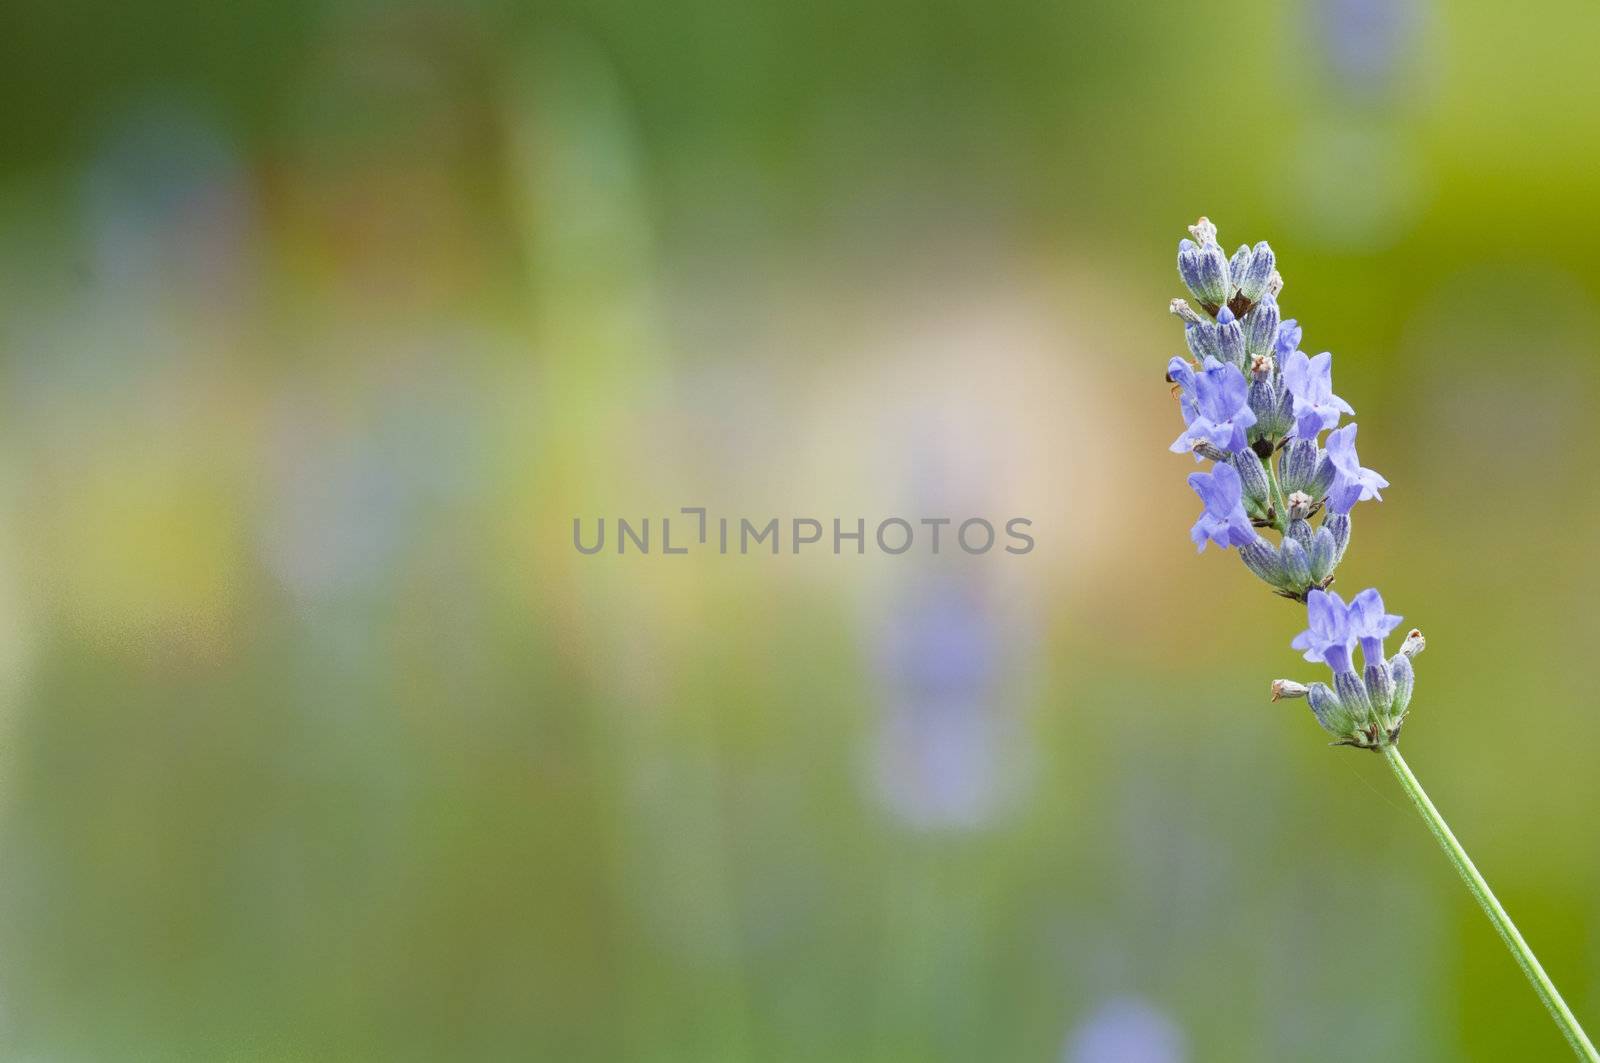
(1230, 338)
(1296, 562)
(1338, 524)
(1253, 479)
(1379, 682)
(1299, 530)
(1255, 275)
(1264, 403)
(1274, 283)
(1202, 341)
(1322, 479)
(1181, 373)
(1203, 231)
(1210, 451)
(1204, 269)
(1325, 706)
(1414, 643)
(1284, 414)
(1297, 466)
(1180, 308)
(1352, 695)
(1324, 554)
(1259, 557)
(1237, 265)
(1266, 398)
(1288, 688)
(1300, 505)
(1404, 680)
(1261, 328)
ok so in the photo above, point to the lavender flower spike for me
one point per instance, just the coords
(1223, 521)
(1269, 473)
(1310, 381)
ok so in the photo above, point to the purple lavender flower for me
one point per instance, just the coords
(1223, 521)
(1288, 339)
(1181, 373)
(1310, 381)
(1220, 411)
(1330, 637)
(1342, 497)
(1370, 625)
(1352, 478)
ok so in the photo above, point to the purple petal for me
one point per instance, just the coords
(1181, 372)
(1320, 378)
(1296, 372)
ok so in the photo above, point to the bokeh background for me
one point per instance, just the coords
(320, 323)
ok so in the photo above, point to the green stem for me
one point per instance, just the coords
(1491, 907)
(1276, 496)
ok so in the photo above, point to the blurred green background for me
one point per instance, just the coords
(320, 323)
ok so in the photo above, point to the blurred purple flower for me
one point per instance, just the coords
(1126, 1030)
(941, 747)
(1365, 41)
